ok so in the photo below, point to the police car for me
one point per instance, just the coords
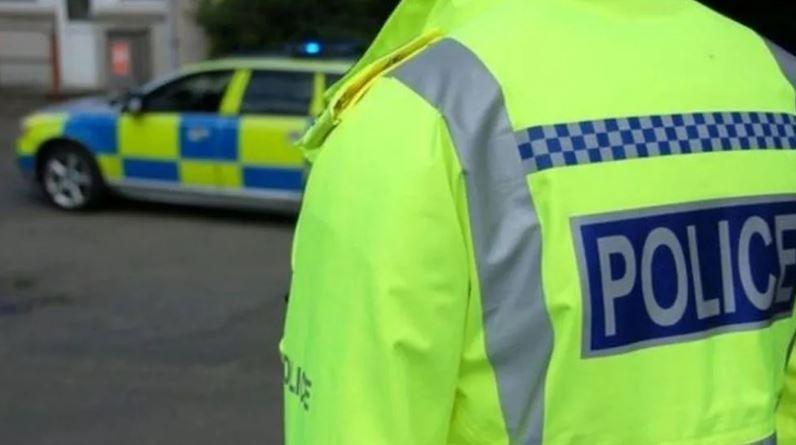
(216, 133)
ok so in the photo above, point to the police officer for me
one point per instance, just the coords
(555, 222)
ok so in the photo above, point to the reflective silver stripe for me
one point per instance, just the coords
(786, 61)
(767, 441)
(505, 227)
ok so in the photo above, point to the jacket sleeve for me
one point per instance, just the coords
(376, 316)
(786, 415)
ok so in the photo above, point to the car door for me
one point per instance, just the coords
(178, 139)
(274, 112)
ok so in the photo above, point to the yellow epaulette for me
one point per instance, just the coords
(354, 87)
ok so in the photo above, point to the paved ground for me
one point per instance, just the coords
(140, 324)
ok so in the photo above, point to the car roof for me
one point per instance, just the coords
(330, 66)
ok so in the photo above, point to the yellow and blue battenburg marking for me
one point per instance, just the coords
(35, 131)
(561, 145)
(26, 163)
(195, 150)
(97, 132)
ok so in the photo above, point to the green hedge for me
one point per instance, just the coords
(250, 25)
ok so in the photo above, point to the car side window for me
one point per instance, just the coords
(332, 79)
(278, 92)
(197, 93)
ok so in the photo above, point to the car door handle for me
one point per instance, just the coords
(198, 134)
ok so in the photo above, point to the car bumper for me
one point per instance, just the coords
(27, 165)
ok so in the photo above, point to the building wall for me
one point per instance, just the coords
(26, 36)
(79, 44)
(192, 45)
(25, 58)
(27, 28)
(161, 50)
(139, 16)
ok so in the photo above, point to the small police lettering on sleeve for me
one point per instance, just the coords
(297, 382)
(681, 273)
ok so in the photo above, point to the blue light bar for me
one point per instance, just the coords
(312, 48)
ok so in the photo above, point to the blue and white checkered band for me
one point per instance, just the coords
(561, 145)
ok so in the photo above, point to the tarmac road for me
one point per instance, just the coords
(139, 324)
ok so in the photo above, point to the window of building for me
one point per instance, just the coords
(198, 93)
(278, 92)
(78, 9)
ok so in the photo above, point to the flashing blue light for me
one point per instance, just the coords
(312, 48)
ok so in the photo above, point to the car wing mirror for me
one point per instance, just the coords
(134, 104)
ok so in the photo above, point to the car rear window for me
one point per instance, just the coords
(278, 92)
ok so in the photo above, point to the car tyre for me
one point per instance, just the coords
(70, 179)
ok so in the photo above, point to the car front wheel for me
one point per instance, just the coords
(71, 179)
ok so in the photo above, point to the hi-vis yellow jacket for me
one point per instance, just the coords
(563, 222)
